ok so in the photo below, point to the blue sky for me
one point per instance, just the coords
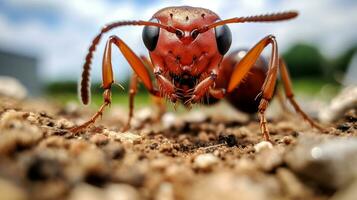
(59, 32)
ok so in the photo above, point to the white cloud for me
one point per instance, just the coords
(62, 49)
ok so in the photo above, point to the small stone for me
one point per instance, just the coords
(127, 137)
(99, 139)
(64, 124)
(178, 173)
(262, 146)
(33, 118)
(166, 146)
(54, 142)
(245, 165)
(227, 186)
(345, 100)
(165, 192)
(287, 140)
(143, 114)
(169, 119)
(348, 193)
(50, 189)
(71, 107)
(43, 168)
(10, 191)
(121, 192)
(269, 159)
(195, 117)
(202, 136)
(160, 164)
(205, 161)
(114, 150)
(11, 87)
(85, 191)
(17, 132)
(292, 185)
(92, 159)
(330, 162)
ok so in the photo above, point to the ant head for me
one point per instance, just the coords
(185, 24)
(182, 48)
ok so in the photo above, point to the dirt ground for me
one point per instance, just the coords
(191, 155)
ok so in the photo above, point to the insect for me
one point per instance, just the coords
(187, 47)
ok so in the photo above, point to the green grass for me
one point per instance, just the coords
(141, 99)
(316, 88)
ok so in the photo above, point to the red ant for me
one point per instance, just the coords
(187, 47)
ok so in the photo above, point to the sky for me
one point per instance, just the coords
(59, 32)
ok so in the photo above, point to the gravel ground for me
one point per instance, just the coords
(191, 155)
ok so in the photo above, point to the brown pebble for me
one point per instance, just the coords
(99, 139)
(203, 136)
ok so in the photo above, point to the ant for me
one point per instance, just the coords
(187, 47)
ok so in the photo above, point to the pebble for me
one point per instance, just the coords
(99, 139)
(331, 163)
(166, 146)
(85, 191)
(345, 100)
(168, 120)
(17, 132)
(292, 185)
(114, 150)
(121, 192)
(205, 161)
(127, 137)
(160, 163)
(245, 165)
(202, 136)
(195, 117)
(10, 191)
(91, 158)
(269, 159)
(262, 146)
(143, 114)
(11, 87)
(165, 192)
(64, 124)
(227, 186)
(348, 193)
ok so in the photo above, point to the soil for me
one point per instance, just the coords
(191, 155)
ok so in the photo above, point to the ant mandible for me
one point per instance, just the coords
(187, 47)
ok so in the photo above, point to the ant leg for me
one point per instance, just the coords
(242, 69)
(107, 101)
(132, 92)
(290, 95)
(107, 75)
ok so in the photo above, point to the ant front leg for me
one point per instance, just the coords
(107, 74)
(165, 86)
(202, 88)
(205, 86)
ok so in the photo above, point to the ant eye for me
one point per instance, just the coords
(194, 33)
(223, 38)
(150, 35)
(179, 33)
